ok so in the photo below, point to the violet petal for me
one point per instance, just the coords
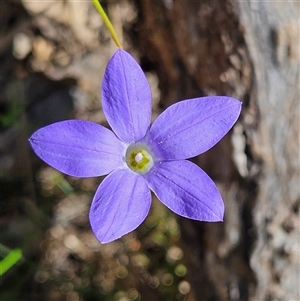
(78, 148)
(191, 127)
(126, 97)
(120, 205)
(187, 190)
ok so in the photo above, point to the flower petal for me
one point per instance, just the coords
(79, 148)
(191, 127)
(120, 205)
(126, 97)
(187, 190)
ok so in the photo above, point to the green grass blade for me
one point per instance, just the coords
(10, 260)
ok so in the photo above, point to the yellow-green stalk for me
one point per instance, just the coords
(107, 22)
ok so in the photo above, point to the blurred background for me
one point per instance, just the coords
(52, 59)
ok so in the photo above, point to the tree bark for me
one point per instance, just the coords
(249, 50)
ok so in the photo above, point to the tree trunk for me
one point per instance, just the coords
(249, 50)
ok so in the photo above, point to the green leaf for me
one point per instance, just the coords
(10, 260)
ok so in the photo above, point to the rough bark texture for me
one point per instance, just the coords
(272, 38)
(249, 50)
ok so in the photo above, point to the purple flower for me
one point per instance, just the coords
(138, 157)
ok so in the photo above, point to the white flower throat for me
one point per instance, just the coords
(139, 158)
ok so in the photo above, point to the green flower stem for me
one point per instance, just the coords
(107, 22)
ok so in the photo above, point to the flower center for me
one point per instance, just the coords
(139, 158)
